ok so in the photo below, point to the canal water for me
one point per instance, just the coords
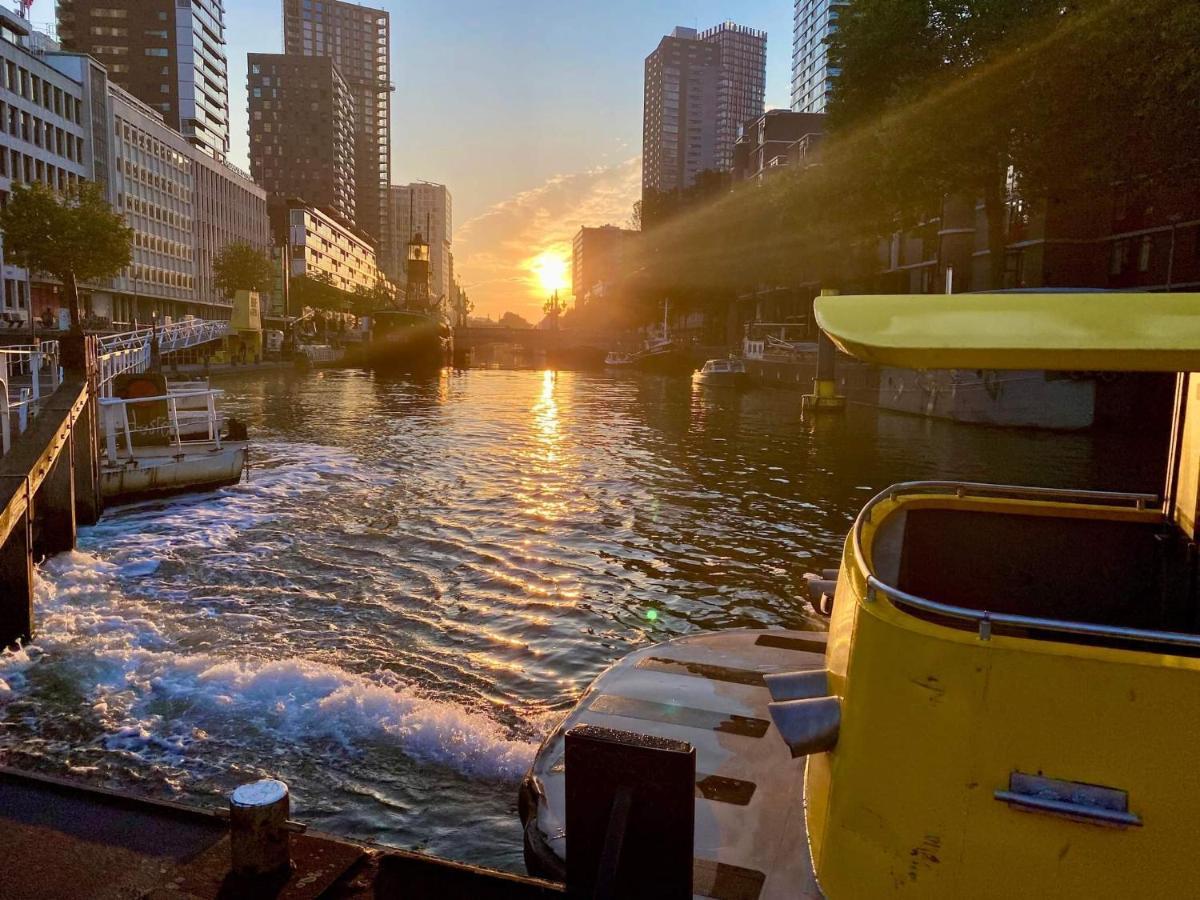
(417, 579)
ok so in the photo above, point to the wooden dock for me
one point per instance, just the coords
(65, 840)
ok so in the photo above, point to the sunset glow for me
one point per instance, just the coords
(552, 272)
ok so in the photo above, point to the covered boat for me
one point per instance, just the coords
(1010, 689)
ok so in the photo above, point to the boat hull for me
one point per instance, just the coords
(707, 690)
(160, 471)
(406, 343)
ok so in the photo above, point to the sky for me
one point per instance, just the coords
(530, 112)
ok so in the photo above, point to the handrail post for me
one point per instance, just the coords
(128, 436)
(5, 419)
(173, 414)
(35, 374)
(110, 431)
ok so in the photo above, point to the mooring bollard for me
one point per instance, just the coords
(259, 829)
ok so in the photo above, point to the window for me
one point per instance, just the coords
(1144, 250)
(1120, 257)
(156, 51)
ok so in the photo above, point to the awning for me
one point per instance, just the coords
(1065, 331)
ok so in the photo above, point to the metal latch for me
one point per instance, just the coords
(1069, 799)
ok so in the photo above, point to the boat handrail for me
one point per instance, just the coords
(984, 620)
(116, 421)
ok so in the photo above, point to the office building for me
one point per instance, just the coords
(302, 130)
(46, 136)
(228, 208)
(357, 39)
(428, 209)
(679, 121)
(320, 245)
(812, 75)
(741, 83)
(170, 54)
(598, 261)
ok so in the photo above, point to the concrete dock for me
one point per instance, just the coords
(65, 840)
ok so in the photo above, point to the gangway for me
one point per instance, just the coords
(31, 373)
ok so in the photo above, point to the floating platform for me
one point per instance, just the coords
(160, 471)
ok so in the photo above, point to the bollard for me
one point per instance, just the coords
(258, 828)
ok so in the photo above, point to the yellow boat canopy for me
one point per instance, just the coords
(1065, 331)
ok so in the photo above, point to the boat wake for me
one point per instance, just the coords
(154, 677)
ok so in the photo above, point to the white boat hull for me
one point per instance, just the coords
(706, 690)
(155, 471)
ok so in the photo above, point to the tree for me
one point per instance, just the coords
(380, 295)
(240, 267)
(318, 292)
(74, 236)
(512, 320)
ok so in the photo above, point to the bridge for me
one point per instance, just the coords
(470, 338)
(50, 450)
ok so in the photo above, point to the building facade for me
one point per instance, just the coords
(768, 145)
(425, 208)
(317, 245)
(812, 76)
(46, 136)
(357, 39)
(741, 83)
(302, 130)
(598, 261)
(170, 54)
(679, 118)
(228, 208)
(153, 187)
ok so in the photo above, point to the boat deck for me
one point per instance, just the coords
(708, 690)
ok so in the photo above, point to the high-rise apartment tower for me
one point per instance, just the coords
(357, 39)
(302, 130)
(170, 54)
(812, 76)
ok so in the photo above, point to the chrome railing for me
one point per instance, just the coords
(984, 620)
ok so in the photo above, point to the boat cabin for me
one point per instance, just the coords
(1016, 670)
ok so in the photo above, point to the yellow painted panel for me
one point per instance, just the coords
(1055, 331)
(934, 722)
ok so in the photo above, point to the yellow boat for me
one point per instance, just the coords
(1011, 687)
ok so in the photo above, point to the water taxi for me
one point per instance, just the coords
(722, 373)
(1009, 691)
(617, 359)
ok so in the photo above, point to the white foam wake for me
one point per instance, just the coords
(154, 699)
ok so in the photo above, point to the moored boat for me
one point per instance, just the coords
(616, 359)
(722, 373)
(1011, 676)
(166, 444)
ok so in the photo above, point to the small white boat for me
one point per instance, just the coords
(722, 373)
(618, 359)
(167, 444)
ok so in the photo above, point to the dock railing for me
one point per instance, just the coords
(28, 374)
(191, 418)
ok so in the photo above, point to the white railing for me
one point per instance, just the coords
(27, 374)
(191, 418)
(126, 353)
(31, 372)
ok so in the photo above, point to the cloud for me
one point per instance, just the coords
(494, 253)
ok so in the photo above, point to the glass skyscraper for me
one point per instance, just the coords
(812, 76)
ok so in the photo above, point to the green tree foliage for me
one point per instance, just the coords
(381, 295)
(74, 236)
(318, 292)
(1073, 99)
(240, 267)
(512, 320)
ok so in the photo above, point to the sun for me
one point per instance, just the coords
(551, 271)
